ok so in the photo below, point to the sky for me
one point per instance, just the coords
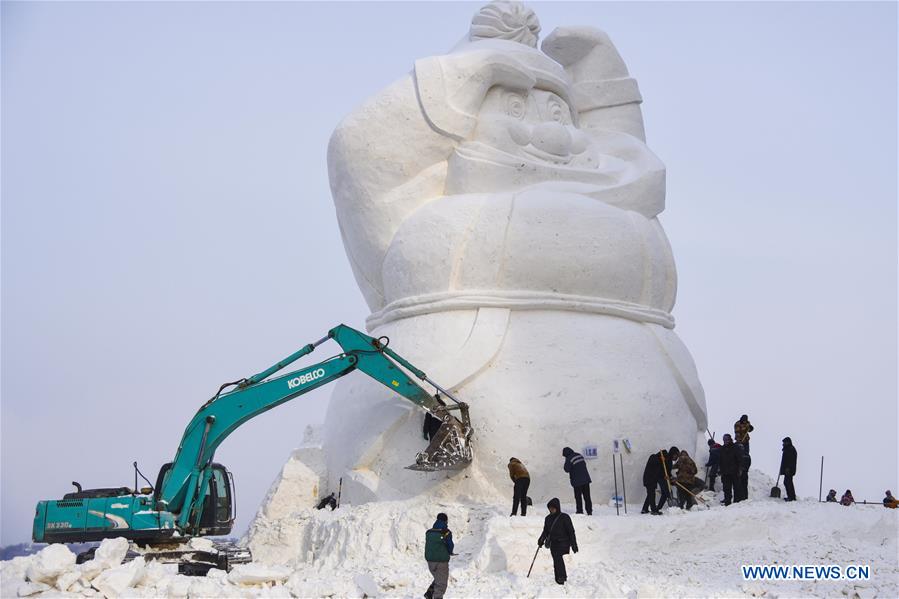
(167, 222)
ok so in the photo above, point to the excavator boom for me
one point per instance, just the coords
(193, 495)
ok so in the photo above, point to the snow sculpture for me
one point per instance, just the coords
(499, 207)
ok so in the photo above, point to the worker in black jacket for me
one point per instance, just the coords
(729, 460)
(558, 535)
(788, 468)
(712, 464)
(653, 474)
(576, 467)
(741, 487)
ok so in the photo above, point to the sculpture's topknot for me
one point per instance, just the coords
(502, 19)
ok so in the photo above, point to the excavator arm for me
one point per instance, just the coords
(186, 482)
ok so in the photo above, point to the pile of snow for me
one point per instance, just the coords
(376, 549)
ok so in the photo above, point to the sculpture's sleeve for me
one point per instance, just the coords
(605, 96)
(607, 101)
(384, 161)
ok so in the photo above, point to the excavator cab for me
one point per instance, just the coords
(219, 505)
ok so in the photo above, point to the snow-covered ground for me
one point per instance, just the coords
(376, 550)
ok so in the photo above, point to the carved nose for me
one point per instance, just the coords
(552, 138)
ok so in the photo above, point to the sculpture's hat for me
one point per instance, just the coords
(500, 49)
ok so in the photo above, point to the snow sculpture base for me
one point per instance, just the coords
(376, 549)
(576, 389)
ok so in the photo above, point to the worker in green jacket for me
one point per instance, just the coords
(438, 549)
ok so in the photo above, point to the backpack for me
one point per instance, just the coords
(435, 545)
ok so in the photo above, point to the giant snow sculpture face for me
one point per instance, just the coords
(535, 125)
(498, 207)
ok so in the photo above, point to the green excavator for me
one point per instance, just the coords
(194, 496)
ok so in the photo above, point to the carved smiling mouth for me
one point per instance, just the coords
(530, 150)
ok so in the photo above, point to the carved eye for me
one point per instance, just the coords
(558, 111)
(516, 106)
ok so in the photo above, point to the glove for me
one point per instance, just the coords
(539, 543)
(574, 548)
(425, 435)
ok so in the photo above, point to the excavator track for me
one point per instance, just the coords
(191, 561)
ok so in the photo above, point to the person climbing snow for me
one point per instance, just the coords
(888, 500)
(847, 498)
(686, 473)
(521, 480)
(788, 468)
(742, 428)
(558, 535)
(438, 549)
(831, 496)
(729, 466)
(576, 467)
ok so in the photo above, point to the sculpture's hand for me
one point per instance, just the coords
(587, 53)
(604, 94)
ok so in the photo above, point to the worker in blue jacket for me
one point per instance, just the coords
(576, 467)
(438, 549)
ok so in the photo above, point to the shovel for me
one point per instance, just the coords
(695, 496)
(775, 490)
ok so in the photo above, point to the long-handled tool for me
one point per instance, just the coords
(532, 562)
(615, 474)
(667, 480)
(695, 496)
(339, 489)
(820, 479)
(548, 541)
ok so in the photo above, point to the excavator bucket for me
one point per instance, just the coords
(450, 447)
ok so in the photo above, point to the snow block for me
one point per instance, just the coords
(49, 563)
(32, 588)
(367, 585)
(116, 581)
(109, 554)
(112, 551)
(201, 544)
(257, 574)
(67, 579)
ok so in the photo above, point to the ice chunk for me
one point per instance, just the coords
(367, 585)
(155, 572)
(109, 554)
(115, 581)
(52, 561)
(253, 574)
(201, 544)
(177, 586)
(112, 551)
(32, 588)
(203, 587)
(67, 579)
